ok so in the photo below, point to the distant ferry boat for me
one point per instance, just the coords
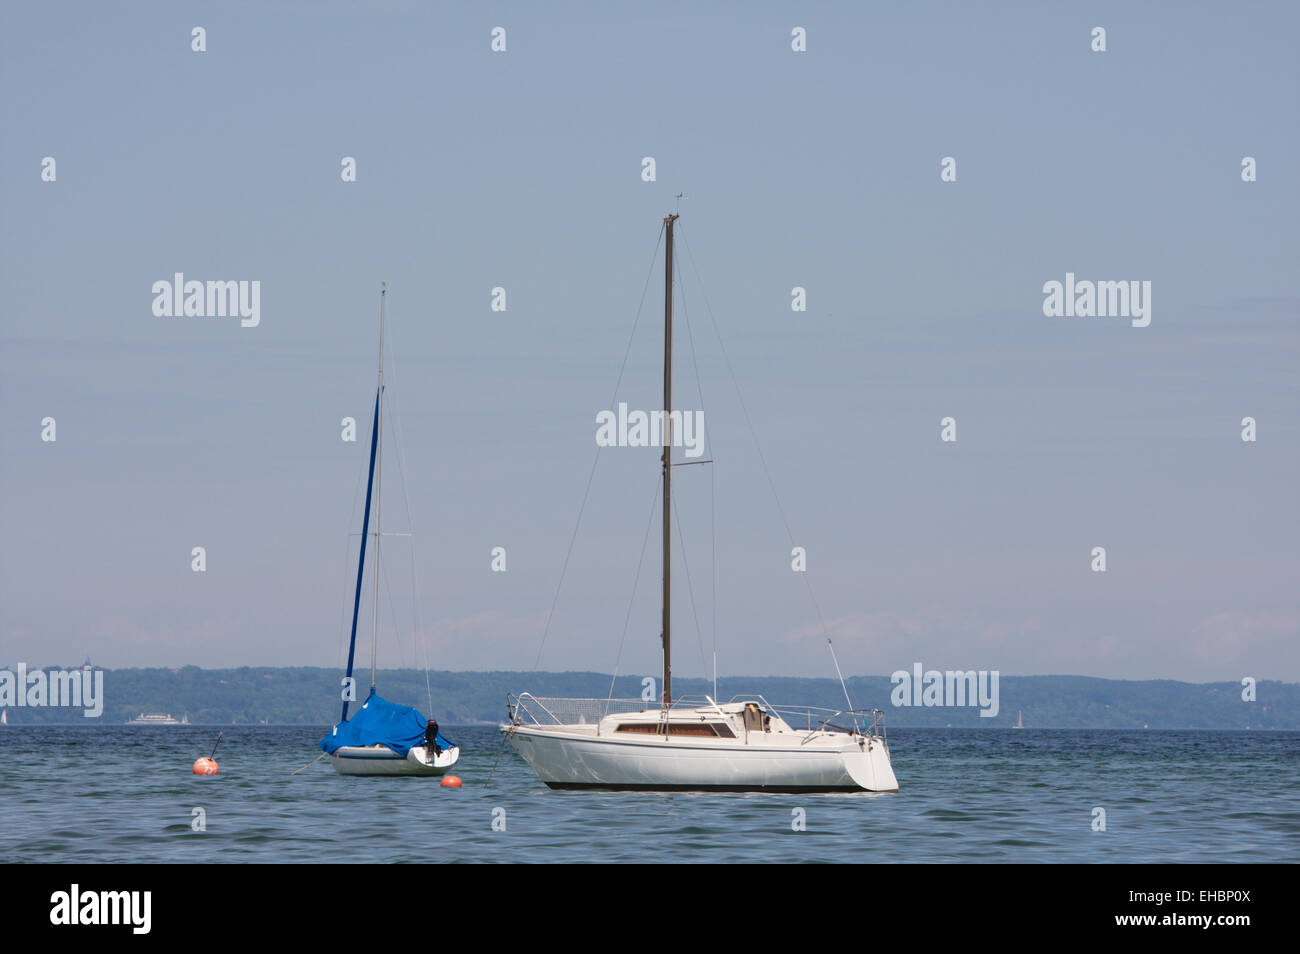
(159, 718)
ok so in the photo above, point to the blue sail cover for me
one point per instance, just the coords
(380, 722)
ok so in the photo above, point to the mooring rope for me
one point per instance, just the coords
(310, 764)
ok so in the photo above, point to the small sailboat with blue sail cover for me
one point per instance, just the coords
(381, 737)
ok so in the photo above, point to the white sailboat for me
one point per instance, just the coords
(745, 744)
(381, 738)
(1020, 722)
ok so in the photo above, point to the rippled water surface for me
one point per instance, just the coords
(104, 794)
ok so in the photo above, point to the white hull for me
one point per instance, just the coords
(381, 760)
(572, 757)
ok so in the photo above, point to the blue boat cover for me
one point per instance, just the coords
(380, 722)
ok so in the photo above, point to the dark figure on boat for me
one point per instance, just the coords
(431, 738)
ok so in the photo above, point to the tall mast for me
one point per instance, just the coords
(365, 521)
(379, 470)
(668, 462)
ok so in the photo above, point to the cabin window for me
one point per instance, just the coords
(698, 729)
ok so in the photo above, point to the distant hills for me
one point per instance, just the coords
(309, 696)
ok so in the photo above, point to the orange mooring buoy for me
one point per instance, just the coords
(450, 781)
(208, 764)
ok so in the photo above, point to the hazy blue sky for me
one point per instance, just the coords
(522, 169)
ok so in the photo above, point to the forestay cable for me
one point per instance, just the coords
(568, 553)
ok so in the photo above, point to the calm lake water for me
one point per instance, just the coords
(111, 794)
